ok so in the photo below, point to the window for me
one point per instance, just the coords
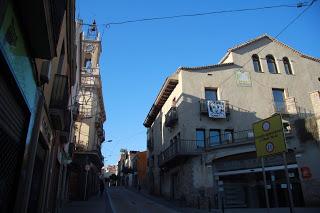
(271, 64)
(87, 63)
(228, 136)
(211, 94)
(287, 66)
(256, 63)
(278, 98)
(200, 138)
(214, 137)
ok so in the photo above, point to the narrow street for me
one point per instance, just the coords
(123, 200)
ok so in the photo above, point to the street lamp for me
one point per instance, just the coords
(108, 141)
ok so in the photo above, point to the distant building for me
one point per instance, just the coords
(125, 167)
(200, 140)
(139, 166)
(107, 171)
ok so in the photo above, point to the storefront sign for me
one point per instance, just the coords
(269, 136)
(216, 109)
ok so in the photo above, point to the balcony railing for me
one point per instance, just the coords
(286, 107)
(181, 148)
(171, 117)
(230, 138)
(204, 106)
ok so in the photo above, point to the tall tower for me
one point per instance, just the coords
(89, 133)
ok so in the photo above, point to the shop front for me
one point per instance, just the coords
(239, 182)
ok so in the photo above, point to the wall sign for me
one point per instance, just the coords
(243, 78)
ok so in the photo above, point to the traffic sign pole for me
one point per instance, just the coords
(288, 183)
(265, 185)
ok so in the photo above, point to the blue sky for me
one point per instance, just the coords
(137, 57)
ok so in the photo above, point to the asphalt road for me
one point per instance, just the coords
(124, 201)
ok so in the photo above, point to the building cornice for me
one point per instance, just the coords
(166, 90)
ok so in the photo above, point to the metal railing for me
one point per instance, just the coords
(181, 147)
(286, 107)
(230, 138)
(83, 147)
(171, 117)
(195, 147)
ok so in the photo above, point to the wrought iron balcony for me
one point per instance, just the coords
(171, 117)
(180, 149)
(93, 152)
(204, 106)
(245, 136)
(59, 113)
(287, 107)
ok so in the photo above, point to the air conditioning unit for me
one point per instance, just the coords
(287, 128)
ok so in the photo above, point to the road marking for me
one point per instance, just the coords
(111, 204)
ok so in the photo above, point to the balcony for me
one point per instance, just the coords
(204, 107)
(93, 152)
(179, 150)
(59, 112)
(287, 107)
(171, 117)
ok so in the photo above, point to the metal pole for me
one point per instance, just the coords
(85, 186)
(288, 183)
(265, 185)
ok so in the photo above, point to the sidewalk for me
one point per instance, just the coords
(95, 204)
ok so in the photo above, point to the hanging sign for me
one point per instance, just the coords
(216, 109)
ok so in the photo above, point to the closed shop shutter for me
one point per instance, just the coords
(14, 121)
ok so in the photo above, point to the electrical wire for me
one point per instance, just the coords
(280, 32)
(298, 5)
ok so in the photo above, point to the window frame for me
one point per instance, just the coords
(276, 102)
(211, 89)
(273, 62)
(288, 70)
(211, 143)
(225, 132)
(255, 58)
(204, 138)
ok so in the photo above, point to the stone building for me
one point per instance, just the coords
(88, 132)
(37, 73)
(200, 140)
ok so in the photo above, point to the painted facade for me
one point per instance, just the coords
(207, 161)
